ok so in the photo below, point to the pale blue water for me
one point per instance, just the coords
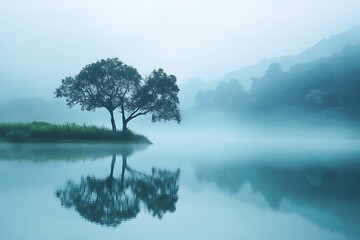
(249, 189)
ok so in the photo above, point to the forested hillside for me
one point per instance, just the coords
(324, 90)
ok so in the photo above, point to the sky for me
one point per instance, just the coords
(43, 41)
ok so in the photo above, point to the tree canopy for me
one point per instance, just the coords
(157, 95)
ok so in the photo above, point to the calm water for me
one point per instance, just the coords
(250, 189)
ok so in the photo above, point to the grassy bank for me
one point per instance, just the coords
(47, 132)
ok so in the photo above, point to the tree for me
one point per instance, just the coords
(157, 95)
(104, 84)
(111, 84)
(227, 96)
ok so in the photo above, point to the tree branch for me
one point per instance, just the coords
(136, 110)
(138, 114)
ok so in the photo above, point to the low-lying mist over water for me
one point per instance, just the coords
(288, 188)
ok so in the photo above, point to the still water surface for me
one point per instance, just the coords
(250, 189)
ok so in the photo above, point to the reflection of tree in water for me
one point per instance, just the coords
(111, 201)
(158, 191)
(329, 189)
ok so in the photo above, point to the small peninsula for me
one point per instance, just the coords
(69, 132)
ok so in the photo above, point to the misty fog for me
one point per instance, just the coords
(248, 99)
(180, 119)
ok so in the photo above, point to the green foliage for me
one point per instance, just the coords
(99, 84)
(41, 131)
(157, 96)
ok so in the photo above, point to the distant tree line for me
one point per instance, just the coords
(113, 85)
(328, 87)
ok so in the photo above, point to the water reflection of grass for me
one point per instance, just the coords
(40, 152)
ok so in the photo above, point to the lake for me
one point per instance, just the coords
(243, 189)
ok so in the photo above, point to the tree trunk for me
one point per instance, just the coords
(113, 125)
(124, 125)
(123, 171)
(124, 120)
(112, 165)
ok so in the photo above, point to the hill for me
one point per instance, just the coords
(324, 48)
(325, 90)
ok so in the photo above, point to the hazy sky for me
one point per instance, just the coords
(42, 41)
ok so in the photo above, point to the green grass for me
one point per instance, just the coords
(47, 132)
